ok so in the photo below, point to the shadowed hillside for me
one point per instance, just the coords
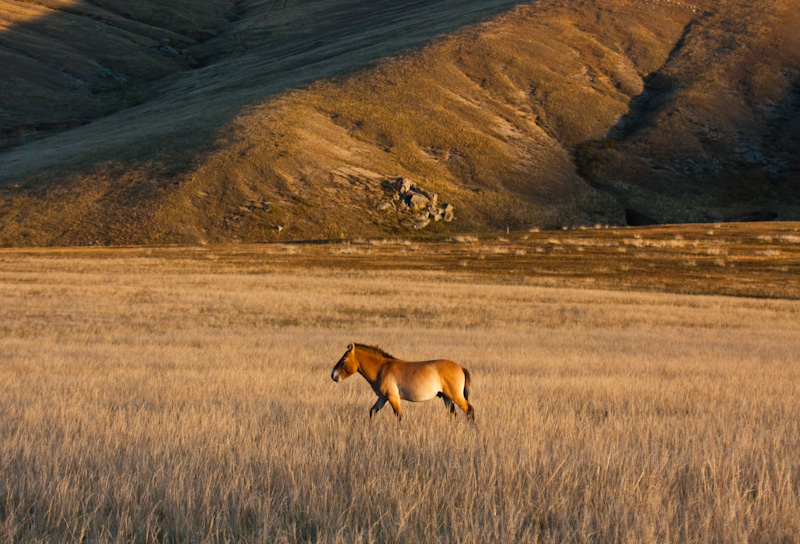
(66, 62)
(714, 134)
(555, 113)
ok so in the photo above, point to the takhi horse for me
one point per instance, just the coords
(393, 379)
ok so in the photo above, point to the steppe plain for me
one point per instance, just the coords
(631, 385)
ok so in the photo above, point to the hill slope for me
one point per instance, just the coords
(64, 63)
(556, 113)
(715, 133)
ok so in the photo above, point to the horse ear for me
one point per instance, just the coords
(351, 347)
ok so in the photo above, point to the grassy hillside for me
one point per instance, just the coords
(64, 63)
(552, 114)
(714, 134)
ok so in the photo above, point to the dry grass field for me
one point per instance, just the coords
(181, 395)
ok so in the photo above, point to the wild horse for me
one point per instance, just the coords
(393, 379)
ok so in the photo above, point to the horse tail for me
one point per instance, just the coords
(470, 409)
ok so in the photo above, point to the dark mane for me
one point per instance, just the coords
(375, 350)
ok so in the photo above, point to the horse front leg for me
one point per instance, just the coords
(377, 406)
(394, 400)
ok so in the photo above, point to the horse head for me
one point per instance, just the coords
(347, 365)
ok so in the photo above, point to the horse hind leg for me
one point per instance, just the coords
(460, 400)
(448, 404)
(459, 393)
(466, 406)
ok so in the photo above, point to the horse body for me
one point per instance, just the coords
(393, 379)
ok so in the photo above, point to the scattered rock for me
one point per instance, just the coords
(754, 156)
(256, 205)
(113, 76)
(383, 206)
(421, 224)
(163, 47)
(405, 186)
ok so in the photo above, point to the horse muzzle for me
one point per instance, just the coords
(335, 375)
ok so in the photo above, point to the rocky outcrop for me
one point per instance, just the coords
(233, 219)
(409, 198)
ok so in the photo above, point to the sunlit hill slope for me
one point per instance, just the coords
(194, 122)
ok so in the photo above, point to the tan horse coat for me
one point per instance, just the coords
(393, 379)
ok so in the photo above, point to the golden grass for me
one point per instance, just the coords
(184, 395)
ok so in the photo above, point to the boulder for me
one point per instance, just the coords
(417, 201)
(383, 206)
(427, 194)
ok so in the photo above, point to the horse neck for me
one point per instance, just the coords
(369, 364)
